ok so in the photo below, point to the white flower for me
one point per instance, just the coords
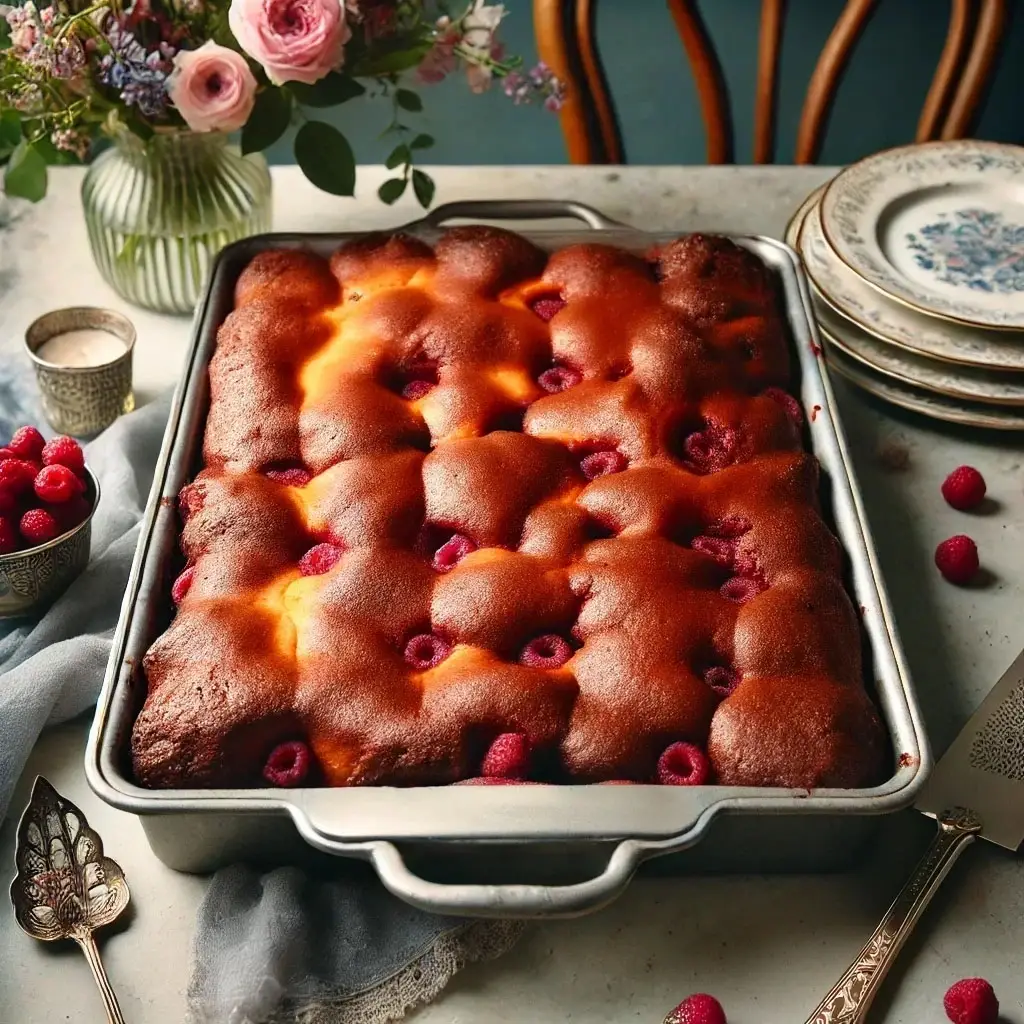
(479, 25)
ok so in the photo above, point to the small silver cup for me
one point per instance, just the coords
(82, 400)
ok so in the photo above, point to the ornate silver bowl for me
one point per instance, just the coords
(33, 579)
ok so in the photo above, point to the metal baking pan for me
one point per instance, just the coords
(507, 850)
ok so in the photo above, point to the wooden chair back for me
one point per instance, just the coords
(566, 42)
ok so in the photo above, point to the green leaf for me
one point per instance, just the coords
(331, 90)
(422, 142)
(408, 100)
(10, 132)
(25, 175)
(326, 158)
(399, 157)
(392, 190)
(423, 186)
(393, 62)
(268, 121)
(5, 34)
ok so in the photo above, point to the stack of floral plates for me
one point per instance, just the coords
(916, 262)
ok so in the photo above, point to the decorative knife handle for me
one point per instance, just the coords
(849, 1000)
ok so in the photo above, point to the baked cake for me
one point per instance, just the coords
(478, 512)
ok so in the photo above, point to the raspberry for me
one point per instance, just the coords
(426, 651)
(788, 403)
(741, 589)
(964, 488)
(452, 551)
(8, 503)
(547, 306)
(971, 1001)
(698, 1009)
(957, 559)
(416, 389)
(289, 475)
(288, 764)
(38, 526)
(559, 378)
(27, 443)
(721, 549)
(190, 501)
(728, 527)
(722, 679)
(64, 451)
(57, 484)
(70, 513)
(16, 476)
(6, 453)
(507, 758)
(683, 764)
(711, 449)
(182, 584)
(602, 463)
(9, 540)
(320, 558)
(548, 651)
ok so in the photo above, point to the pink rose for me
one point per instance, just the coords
(213, 88)
(294, 40)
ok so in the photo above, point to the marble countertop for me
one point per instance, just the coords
(768, 947)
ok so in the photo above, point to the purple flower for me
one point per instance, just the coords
(539, 83)
(139, 76)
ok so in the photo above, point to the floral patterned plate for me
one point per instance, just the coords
(892, 322)
(927, 403)
(966, 382)
(938, 226)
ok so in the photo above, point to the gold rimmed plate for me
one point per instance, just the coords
(926, 403)
(892, 322)
(938, 227)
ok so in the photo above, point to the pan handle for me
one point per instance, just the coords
(523, 901)
(515, 209)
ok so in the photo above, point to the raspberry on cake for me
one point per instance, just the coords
(582, 540)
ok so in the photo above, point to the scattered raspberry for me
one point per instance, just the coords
(728, 527)
(9, 540)
(964, 488)
(27, 443)
(38, 526)
(559, 378)
(288, 764)
(742, 588)
(16, 476)
(426, 651)
(57, 484)
(711, 449)
(788, 402)
(683, 764)
(957, 559)
(507, 758)
(452, 551)
(182, 584)
(721, 549)
(64, 451)
(698, 1009)
(971, 1001)
(722, 679)
(602, 463)
(547, 306)
(71, 513)
(549, 651)
(320, 558)
(416, 389)
(290, 476)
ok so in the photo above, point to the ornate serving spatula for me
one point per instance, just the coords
(977, 789)
(65, 887)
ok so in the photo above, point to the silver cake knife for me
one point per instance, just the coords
(976, 789)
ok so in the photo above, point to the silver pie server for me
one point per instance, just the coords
(976, 789)
(65, 887)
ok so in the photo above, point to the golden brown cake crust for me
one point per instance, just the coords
(496, 449)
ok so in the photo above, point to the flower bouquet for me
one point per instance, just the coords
(168, 80)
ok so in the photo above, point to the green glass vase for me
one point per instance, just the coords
(159, 211)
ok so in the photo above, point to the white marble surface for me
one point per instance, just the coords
(769, 947)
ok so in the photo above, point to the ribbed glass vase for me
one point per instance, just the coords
(159, 211)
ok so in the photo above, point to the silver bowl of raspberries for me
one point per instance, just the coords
(47, 499)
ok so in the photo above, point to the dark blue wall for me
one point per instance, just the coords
(878, 103)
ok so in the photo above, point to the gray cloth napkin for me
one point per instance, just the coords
(278, 948)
